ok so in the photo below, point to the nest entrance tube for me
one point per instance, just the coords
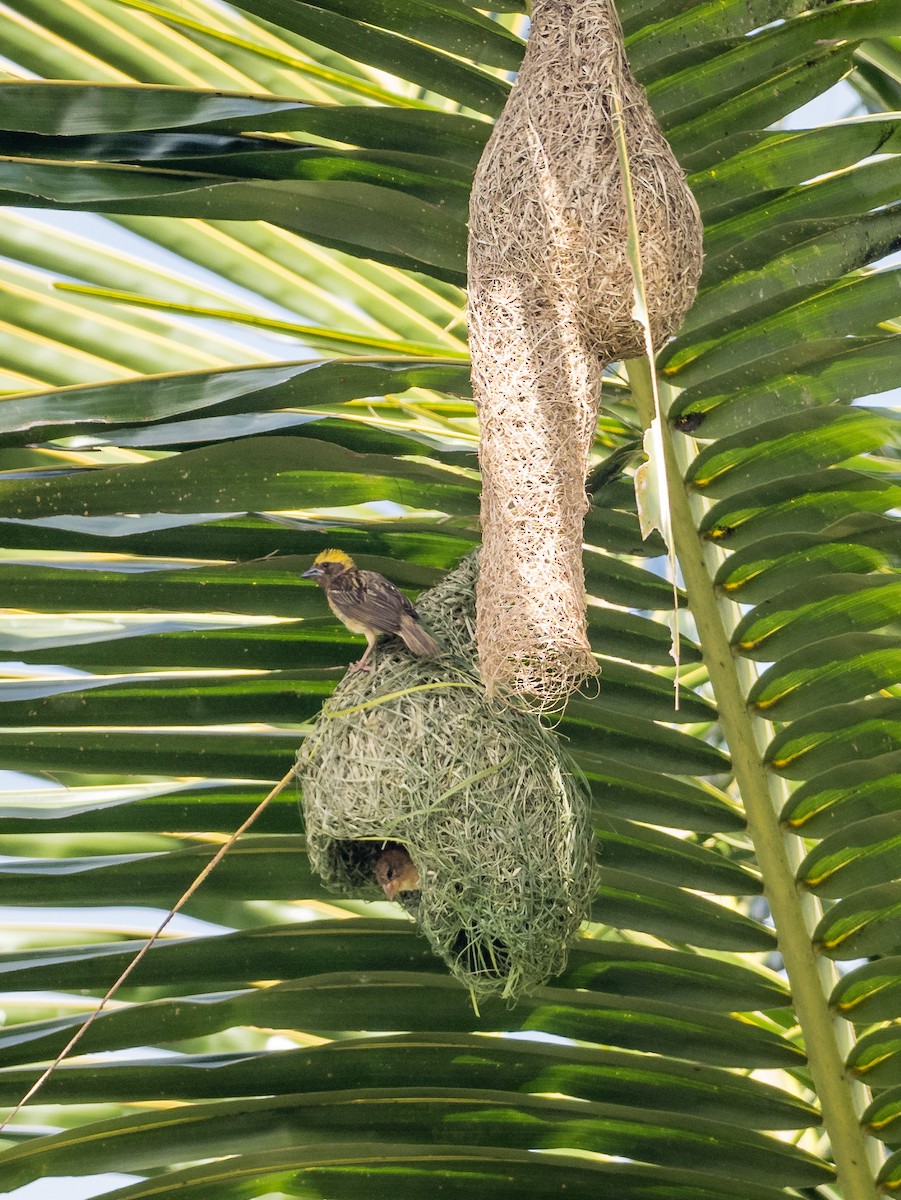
(534, 440)
(551, 301)
(484, 799)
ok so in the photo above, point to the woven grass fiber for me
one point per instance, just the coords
(551, 297)
(490, 808)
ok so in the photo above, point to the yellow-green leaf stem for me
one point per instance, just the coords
(839, 1097)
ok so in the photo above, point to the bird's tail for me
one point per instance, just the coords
(417, 640)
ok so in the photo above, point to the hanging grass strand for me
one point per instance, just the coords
(157, 933)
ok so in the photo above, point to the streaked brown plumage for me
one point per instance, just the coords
(395, 872)
(368, 603)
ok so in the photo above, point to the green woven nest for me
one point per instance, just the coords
(491, 810)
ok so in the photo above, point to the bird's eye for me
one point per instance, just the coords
(392, 873)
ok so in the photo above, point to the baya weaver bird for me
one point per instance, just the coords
(395, 872)
(368, 603)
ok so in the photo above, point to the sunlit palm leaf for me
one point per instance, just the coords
(140, 516)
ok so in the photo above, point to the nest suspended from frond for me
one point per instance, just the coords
(489, 807)
(551, 298)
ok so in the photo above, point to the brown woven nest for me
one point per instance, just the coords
(490, 808)
(551, 298)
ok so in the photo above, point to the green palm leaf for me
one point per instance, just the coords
(269, 185)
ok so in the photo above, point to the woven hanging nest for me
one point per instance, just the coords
(551, 299)
(491, 810)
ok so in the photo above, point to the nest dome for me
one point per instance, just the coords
(483, 797)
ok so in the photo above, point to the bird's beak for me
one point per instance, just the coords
(313, 573)
(391, 888)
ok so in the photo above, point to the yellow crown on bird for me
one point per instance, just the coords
(335, 556)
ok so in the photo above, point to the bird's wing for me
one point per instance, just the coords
(371, 599)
